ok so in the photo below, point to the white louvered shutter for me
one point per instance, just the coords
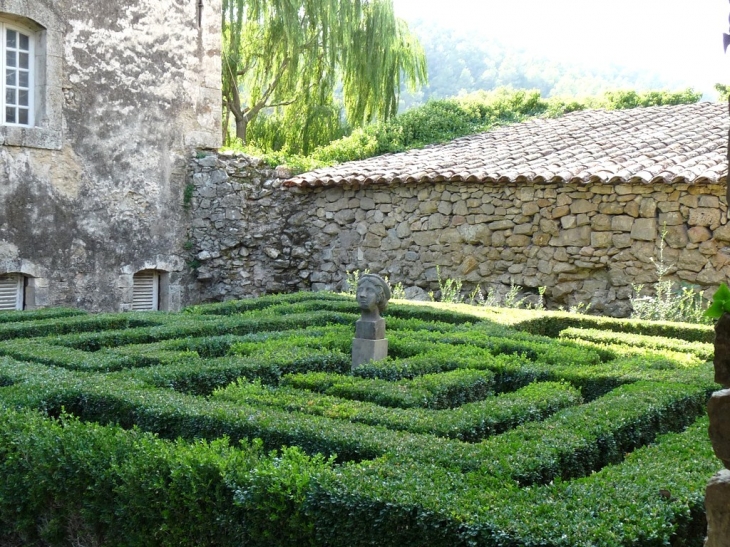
(146, 288)
(11, 292)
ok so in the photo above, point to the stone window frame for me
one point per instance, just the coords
(35, 282)
(46, 132)
(169, 269)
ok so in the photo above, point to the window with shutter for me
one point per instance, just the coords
(146, 291)
(11, 292)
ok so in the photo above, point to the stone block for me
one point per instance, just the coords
(704, 216)
(698, 234)
(575, 237)
(622, 223)
(541, 239)
(601, 239)
(672, 218)
(722, 233)
(451, 235)
(717, 505)
(676, 237)
(529, 209)
(370, 330)
(709, 201)
(567, 222)
(632, 209)
(647, 208)
(689, 201)
(611, 208)
(601, 223)
(501, 225)
(518, 240)
(718, 410)
(691, 260)
(621, 241)
(644, 229)
(582, 206)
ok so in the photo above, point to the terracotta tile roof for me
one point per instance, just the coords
(665, 144)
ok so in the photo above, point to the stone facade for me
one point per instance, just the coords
(93, 191)
(586, 243)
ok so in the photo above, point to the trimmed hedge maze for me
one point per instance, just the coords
(241, 424)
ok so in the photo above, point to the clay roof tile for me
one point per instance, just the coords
(656, 144)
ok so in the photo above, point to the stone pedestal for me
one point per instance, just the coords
(717, 495)
(717, 503)
(722, 351)
(718, 410)
(364, 351)
(370, 330)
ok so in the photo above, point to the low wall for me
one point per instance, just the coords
(585, 243)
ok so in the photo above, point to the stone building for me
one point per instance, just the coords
(102, 104)
(580, 204)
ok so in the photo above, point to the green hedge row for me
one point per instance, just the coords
(552, 324)
(415, 504)
(195, 327)
(446, 390)
(233, 307)
(40, 351)
(570, 443)
(513, 371)
(329, 301)
(68, 483)
(702, 350)
(35, 315)
(470, 422)
(76, 324)
(72, 483)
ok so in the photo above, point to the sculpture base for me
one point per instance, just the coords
(364, 351)
(717, 503)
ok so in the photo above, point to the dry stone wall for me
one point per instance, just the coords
(585, 243)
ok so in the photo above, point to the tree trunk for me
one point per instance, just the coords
(241, 128)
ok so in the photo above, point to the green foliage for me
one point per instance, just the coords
(720, 303)
(617, 100)
(188, 195)
(723, 90)
(286, 60)
(449, 290)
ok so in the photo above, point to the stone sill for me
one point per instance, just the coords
(31, 137)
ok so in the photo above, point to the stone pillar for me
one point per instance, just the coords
(717, 495)
(369, 343)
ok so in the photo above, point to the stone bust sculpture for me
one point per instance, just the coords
(369, 343)
(372, 296)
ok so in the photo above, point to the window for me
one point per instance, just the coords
(11, 291)
(31, 74)
(17, 51)
(146, 291)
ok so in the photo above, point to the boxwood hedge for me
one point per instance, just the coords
(242, 423)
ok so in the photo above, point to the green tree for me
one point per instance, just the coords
(291, 56)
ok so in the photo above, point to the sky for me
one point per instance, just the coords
(681, 39)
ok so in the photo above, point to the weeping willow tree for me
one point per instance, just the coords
(292, 57)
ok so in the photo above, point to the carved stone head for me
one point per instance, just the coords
(372, 294)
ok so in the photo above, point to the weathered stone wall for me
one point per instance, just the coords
(94, 192)
(585, 243)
